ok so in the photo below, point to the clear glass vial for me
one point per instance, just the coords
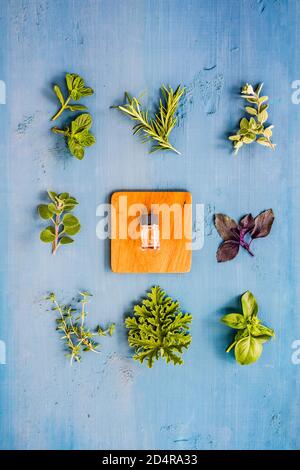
(150, 232)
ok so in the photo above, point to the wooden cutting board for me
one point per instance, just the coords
(174, 255)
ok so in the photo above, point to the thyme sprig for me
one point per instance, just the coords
(71, 323)
(157, 129)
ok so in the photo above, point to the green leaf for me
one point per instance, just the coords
(86, 138)
(263, 99)
(69, 220)
(86, 91)
(259, 88)
(59, 94)
(263, 141)
(251, 110)
(47, 235)
(264, 107)
(263, 338)
(53, 209)
(71, 200)
(244, 124)
(248, 350)
(70, 77)
(44, 212)
(111, 329)
(249, 305)
(76, 149)
(268, 132)
(263, 116)
(234, 320)
(76, 107)
(248, 138)
(52, 195)
(72, 230)
(65, 240)
(261, 330)
(234, 137)
(81, 123)
(64, 196)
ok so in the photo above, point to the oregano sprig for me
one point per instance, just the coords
(76, 90)
(253, 129)
(158, 329)
(71, 323)
(251, 335)
(78, 135)
(63, 222)
(157, 128)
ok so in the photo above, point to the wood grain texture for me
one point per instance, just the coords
(175, 226)
(109, 401)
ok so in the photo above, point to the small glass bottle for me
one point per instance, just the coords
(150, 232)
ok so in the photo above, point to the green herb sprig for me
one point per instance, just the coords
(251, 335)
(253, 129)
(71, 323)
(157, 129)
(64, 223)
(76, 90)
(78, 135)
(158, 329)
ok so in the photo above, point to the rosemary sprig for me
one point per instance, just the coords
(71, 322)
(157, 129)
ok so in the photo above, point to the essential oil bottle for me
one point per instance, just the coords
(150, 232)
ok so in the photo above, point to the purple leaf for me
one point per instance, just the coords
(225, 226)
(263, 224)
(247, 223)
(227, 251)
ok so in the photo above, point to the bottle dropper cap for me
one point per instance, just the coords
(149, 219)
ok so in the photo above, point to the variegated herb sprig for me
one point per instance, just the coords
(76, 90)
(71, 323)
(63, 222)
(254, 128)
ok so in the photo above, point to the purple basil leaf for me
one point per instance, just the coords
(227, 251)
(225, 226)
(263, 224)
(247, 223)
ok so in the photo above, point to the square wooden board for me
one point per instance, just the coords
(174, 255)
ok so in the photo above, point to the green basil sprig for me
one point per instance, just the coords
(76, 90)
(78, 135)
(251, 334)
(64, 223)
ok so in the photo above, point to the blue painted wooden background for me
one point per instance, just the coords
(109, 401)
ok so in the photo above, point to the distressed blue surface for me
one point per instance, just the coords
(109, 401)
